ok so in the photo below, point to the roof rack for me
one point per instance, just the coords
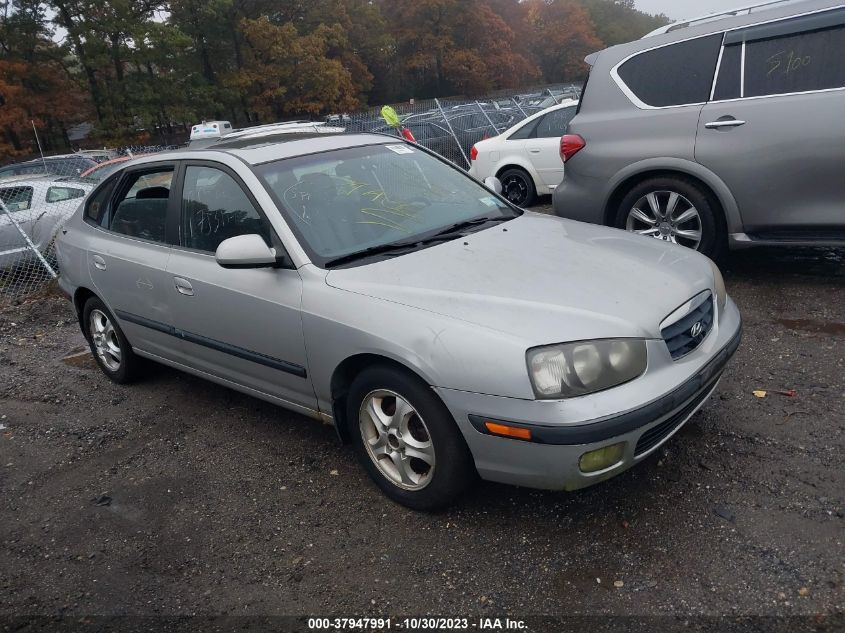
(743, 10)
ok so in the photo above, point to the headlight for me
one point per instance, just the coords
(719, 285)
(575, 369)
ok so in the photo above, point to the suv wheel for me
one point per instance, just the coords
(673, 210)
(407, 441)
(108, 344)
(518, 187)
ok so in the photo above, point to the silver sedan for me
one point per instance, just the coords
(365, 282)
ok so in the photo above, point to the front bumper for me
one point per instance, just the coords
(551, 461)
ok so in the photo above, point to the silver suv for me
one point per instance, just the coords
(721, 131)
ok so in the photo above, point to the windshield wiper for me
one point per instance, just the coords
(391, 248)
(458, 227)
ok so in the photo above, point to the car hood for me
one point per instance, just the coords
(542, 279)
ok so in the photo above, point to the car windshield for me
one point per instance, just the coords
(361, 199)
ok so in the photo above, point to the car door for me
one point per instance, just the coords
(15, 223)
(543, 146)
(127, 257)
(241, 325)
(773, 131)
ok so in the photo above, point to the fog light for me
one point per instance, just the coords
(601, 458)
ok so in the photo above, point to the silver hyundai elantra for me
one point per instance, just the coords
(363, 281)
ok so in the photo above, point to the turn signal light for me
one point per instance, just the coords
(515, 432)
(473, 153)
(571, 144)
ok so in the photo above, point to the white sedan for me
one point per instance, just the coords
(526, 158)
(36, 206)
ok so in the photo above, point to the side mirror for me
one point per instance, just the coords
(494, 184)
(245, 251)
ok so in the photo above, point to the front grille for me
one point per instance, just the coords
(659, 432)
(685, 335)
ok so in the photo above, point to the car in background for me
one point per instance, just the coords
(716, 132)
(526, 158)
(210, 130)
(103, 169)
(97, 155)
(315, 127)
(365, 281)
(36, 205)
(454, 136)
(64, 165)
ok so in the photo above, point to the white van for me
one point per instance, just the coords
(210, 129)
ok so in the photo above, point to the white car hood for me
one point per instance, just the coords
(542, 279)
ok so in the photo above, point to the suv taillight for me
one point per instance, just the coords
(473, 153)
(571, 144)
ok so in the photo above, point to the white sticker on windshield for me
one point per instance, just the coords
(490, 201)
(400, 149)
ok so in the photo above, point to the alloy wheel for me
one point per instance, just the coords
(666, 216)
(105, 340)
(515, 189)
(396, 439)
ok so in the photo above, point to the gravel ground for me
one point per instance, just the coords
(175, 496)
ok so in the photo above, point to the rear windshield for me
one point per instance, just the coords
(344, 201)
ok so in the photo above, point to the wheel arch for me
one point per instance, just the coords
(710, 183)
(345, 373)
(512, 163)
(80, 297)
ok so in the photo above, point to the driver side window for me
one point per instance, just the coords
(215, 208)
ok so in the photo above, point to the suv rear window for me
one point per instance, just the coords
(677, 74)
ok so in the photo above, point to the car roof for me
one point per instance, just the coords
(27, 178)
(260, 149)
(681, 31)
(41, 179)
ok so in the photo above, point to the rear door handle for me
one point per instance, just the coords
(534, 150)
(717, 125)
(183, 286)
(99, 262)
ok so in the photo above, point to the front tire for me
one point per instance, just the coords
(108, 344)
(674, 209)
(406, 439)
(518, 187)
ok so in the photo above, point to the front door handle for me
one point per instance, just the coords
(99, 262)
(718, 125)
(183, 286)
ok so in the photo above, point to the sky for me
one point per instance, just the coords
(680, 9)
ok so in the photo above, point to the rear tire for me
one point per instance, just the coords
(108, 344)
(518, 187)
(694, 206)
(406, 439)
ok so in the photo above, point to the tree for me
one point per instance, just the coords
(285, 73)
(562, 34)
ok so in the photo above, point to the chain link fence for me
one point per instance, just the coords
(37, 197)
(451, 127)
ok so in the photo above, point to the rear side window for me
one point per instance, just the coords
(795, 63)
(524, 132)
(555, 124)
(141, 211)
(16, 198)
(60, 194)
(678, 74)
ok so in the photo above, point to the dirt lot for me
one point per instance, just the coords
(175, 496)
